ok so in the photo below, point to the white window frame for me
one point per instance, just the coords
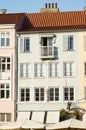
(5, 63)
(68, 68)
(24, 92)
(55, 96)
(5, 116)
(6, 37)
(39, 70)
(54, 69)
(68, 96)
(40, 95)
(68, 43)
(23, 46)
(24, 70)
(4, 89)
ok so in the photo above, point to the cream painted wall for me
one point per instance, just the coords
(81, 61)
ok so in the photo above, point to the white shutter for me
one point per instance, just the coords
(21, 44)
(65, 42)
(43, 70)
(85, 42)
(27, 67)
(38, 70)
(53, 69)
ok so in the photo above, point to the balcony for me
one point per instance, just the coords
(46, 52)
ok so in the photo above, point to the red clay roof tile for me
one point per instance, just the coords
(55, 21)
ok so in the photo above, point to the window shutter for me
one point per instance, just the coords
(21, 44)
(85, 42)
(27, 70)
(21, 70)
(65, 42)
(43, 70)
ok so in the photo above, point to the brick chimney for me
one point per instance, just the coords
(49, 7)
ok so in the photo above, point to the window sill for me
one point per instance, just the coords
(39, 77)
(69, 50)
(69, 76)
(25, 52)
(25, 78)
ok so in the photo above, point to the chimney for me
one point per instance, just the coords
(3, 11)
(49, 7)
(84, 8)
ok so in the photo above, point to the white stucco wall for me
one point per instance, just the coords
(34, 56)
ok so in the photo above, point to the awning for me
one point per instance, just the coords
(38, 116)
(32, 124)
(22, 124)
(84, 117)
(70, 123)
(23, 115)
(52, 117)
(12, 125)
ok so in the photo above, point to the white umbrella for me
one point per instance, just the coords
(22, 124)
(32, 124)
(12, 125)
(70, 123)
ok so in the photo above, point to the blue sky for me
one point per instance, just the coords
(31, 6)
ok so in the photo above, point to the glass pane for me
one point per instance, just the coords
(7, 41)
(8, 117)
(8, 59)
(8, 66)
(3, 117)
(7, 94)
(2, 41)
(2, 94)
(3, 67)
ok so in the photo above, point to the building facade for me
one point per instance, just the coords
(42, 64)
(49, 51)
(8, 65)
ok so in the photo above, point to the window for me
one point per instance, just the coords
(68, 42)
(4, 64)
(54, 69)
(4, 91)
(40, 69)
(85, 93)
(84, 68)
(53, 94)
(5, 117)
(24, 70)
(4, 39)
(39, 94)
(24, 94)
(68, 69)
(68, 93)
(25, 44)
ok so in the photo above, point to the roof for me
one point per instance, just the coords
(55, 21)
(14, 18)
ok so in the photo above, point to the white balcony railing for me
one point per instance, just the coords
(47, 51)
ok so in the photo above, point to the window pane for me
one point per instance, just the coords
(8, 117)
(7, 94)
(7, 41)
(2, 117)
(2, 41)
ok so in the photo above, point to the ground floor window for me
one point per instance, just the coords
(5, 117)
(68, 93)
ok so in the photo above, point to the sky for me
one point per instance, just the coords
(33, 6)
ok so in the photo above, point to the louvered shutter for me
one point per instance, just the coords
(65, 42)
(21, 44)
